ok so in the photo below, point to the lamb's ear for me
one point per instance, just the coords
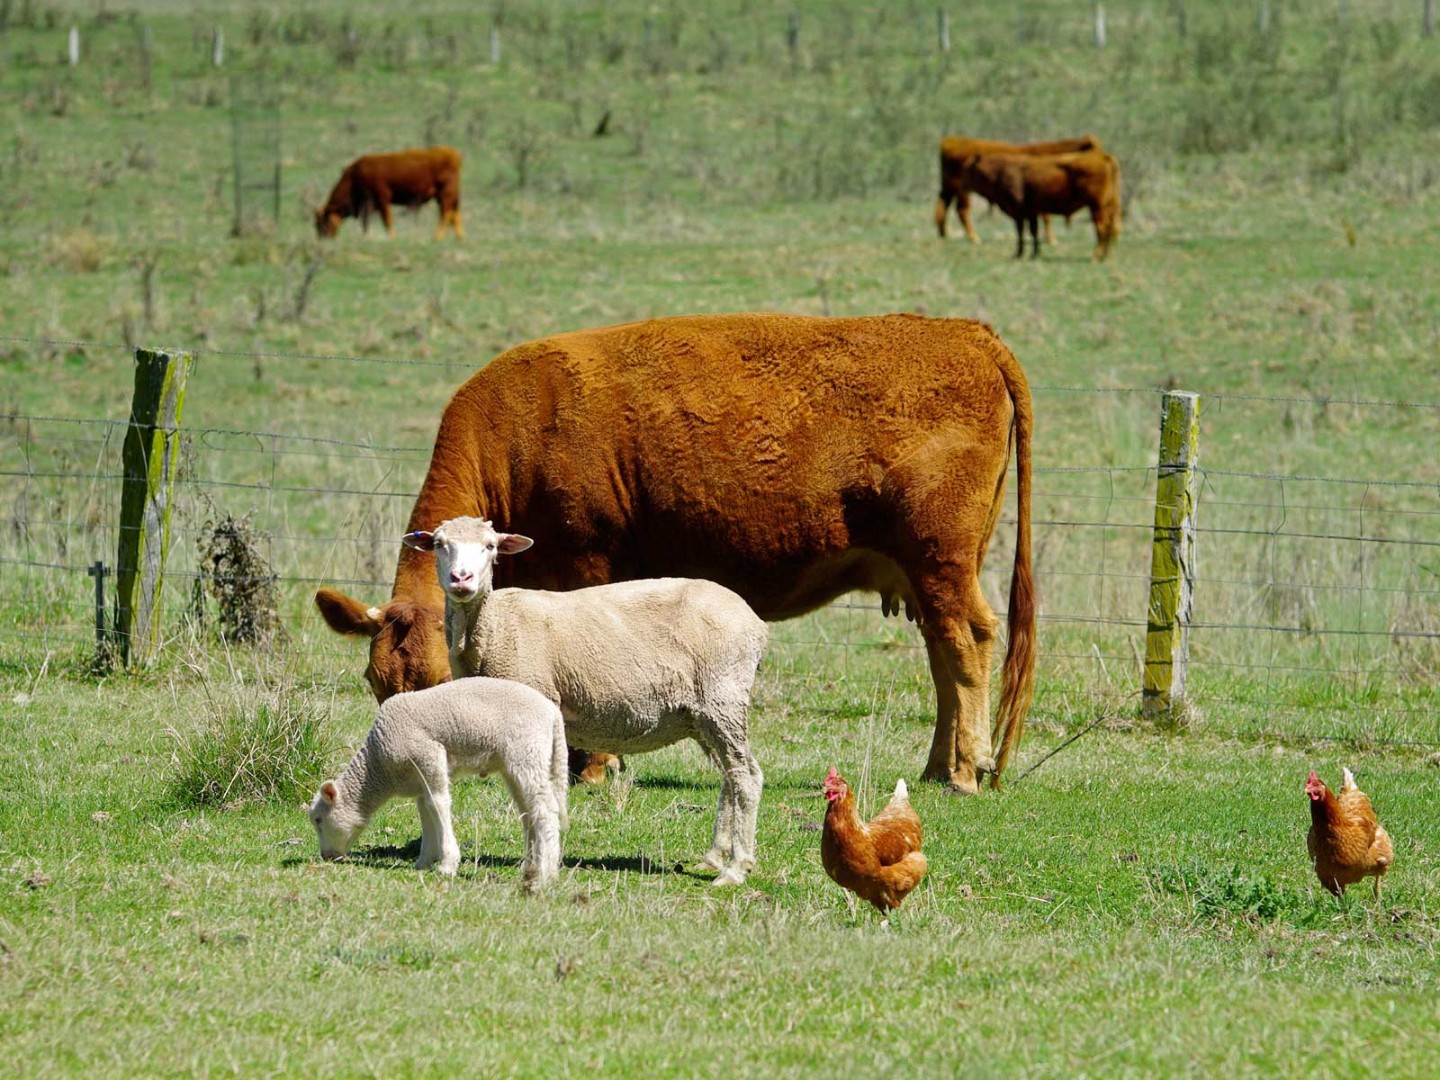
(329, 792)
(513, 543)
(420, 540)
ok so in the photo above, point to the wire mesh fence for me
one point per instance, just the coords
(1317, 596)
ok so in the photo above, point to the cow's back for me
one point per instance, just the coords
(750, 449)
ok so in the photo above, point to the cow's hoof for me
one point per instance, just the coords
(962, 783)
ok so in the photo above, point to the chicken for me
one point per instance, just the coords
(880, 861)
(1346, 841)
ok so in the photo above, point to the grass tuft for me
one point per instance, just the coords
(268, 740)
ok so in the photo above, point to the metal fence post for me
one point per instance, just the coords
(1172, 563)
(150, 457)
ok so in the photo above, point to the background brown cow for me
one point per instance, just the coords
(406, 178)
(1025, 187)
(792, 459)
(957, 153)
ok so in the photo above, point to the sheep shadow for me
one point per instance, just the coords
(391, 856)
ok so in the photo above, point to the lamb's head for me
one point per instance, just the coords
(337, 824)
(465, 552)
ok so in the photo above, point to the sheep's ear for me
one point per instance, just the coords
(514, 543)
(329, 792)
(420, 540)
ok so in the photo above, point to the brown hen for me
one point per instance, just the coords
(1346, 841)
(879, 861)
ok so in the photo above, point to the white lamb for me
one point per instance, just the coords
(421, 740)
(634, 665)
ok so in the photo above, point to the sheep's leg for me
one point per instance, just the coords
(748, 782)
(740, 786)
(722, 843)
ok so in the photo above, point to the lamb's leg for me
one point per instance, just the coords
(448, 861)
(543, 839)
(534, 798)
(430, 834)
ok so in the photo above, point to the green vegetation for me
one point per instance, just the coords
(1140, 904)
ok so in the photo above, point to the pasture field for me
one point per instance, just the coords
(1140, 904)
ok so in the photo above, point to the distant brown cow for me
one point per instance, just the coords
(408, 178)
(1027, 187)
(956, 154)
(791, 459)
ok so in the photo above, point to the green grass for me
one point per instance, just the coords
(1140, 904)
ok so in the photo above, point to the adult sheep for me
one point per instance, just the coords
(790, 458)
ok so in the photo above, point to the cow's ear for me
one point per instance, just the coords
(420, 540)
(513, 543)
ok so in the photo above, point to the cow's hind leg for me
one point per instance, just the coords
(1020, 237)
(1035, 236)
(962, 630)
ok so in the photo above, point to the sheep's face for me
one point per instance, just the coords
(465, 551)
(336, 826)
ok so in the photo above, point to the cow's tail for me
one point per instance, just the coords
(1017, 685)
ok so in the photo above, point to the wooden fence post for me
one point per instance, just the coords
(1172, 563)
(98, 570)
(72, 46)
(943, 17)
(1099, 26)
(150, 457)
(1427, 19)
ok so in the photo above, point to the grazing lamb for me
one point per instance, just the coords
(424, 738)
(634, 665)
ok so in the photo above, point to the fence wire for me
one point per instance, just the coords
(1317, 602)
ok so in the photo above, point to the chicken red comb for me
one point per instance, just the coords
(832, 775)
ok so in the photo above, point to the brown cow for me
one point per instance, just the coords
(792, 459)
(1027, 187)
(956, 154)
(408, 178)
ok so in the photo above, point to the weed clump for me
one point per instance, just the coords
(238, 576)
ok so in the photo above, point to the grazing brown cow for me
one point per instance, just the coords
(1027, 187)
(792, 459)
(408, 178)
(956, 154)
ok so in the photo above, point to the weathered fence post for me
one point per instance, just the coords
(1427, 19)
(217, 47)
(792, 37)
(72, 50)
(944, 19)
(494, 46)
(150, 457)
(1099, 26)
(1172, 562)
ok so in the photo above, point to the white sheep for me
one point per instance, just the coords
(422, 739)
(633, 665)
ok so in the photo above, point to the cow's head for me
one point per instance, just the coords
(465, 551)
(327, 222)
(407, 641)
